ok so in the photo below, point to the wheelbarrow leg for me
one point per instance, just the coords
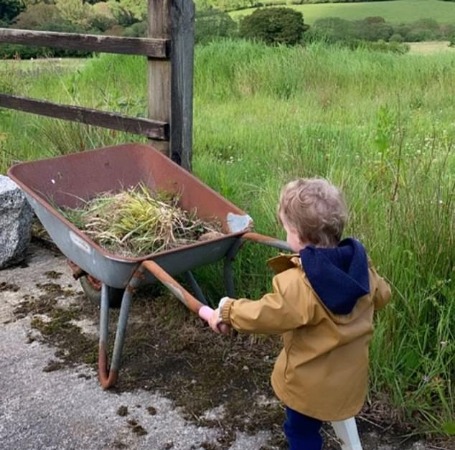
(109, 375)
(195, 286)
(228, 271)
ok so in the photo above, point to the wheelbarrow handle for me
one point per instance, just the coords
(266, 240)
(191, 302)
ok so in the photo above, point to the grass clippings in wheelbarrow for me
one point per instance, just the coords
(137, 222)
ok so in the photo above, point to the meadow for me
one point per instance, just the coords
(396, 11)
(378, 125)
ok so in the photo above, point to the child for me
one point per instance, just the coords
(322, 303)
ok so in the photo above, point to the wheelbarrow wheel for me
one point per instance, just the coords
(92, 291)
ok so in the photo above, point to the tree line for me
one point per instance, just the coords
(279, 25)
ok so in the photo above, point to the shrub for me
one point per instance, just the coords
(138, 29)
(38, 16)
(372, 31)
(447, 31)
(332, 29)
(396, 37)
(9, 9)
(424, 30)
(420, 35)
(387, 47)
(212, 23)
(27, 51)
(427, 24)
(102, 18)
(403, 29)
(122, 16)
(16, 51)
(274, 26)
(374, 20)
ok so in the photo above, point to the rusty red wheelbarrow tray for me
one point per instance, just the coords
(68, 181)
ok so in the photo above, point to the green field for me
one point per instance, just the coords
(397, 11)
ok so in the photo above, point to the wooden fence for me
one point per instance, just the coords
(169, 49)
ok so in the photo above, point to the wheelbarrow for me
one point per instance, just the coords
(68, 181)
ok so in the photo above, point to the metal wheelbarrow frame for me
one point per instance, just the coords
(68, 181)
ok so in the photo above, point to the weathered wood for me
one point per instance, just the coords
(170, 52)
(182, 56)
(153, 48)
(159, 72)
(153, 129)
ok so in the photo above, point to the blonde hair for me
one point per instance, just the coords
(316, 209)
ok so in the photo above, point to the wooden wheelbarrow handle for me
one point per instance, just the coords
(266, 240)
(174, 286)
(191, 302)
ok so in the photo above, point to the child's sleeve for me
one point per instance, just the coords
(282, 310)
(380, 289)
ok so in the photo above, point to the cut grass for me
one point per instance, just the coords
(137, 222)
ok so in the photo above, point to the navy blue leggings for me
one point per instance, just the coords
(302, 432)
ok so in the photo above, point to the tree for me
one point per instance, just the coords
(123, 16)
(28, 3)
(9, 9)
(38, 16)
(274, 26)
(137, 8)
(102, 17)
(212, 23)
(75, 11)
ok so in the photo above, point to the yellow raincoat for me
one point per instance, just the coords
(322, 370)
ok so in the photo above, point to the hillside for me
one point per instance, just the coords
(395, 11)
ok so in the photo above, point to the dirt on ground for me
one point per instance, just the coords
(214, 380)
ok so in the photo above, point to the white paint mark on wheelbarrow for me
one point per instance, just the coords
(176, 291)
(79, 242)
(238, 223)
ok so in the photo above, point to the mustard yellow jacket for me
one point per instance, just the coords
(322, 370)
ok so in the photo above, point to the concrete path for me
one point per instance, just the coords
(67, 409)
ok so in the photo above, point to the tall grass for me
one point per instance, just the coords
(379, 125)
(111, 84)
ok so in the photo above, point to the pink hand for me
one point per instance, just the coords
(205, 313)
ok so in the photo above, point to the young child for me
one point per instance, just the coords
(322, 304)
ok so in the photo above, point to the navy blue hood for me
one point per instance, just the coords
(338, 275)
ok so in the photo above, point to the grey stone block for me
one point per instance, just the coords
(16, 217)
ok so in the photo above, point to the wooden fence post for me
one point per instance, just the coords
(170, 83)
(182, 63)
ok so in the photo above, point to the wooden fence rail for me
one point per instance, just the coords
(169, 49)
(154, 48)
(152, 129)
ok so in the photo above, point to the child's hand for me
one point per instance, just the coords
(216, 325)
